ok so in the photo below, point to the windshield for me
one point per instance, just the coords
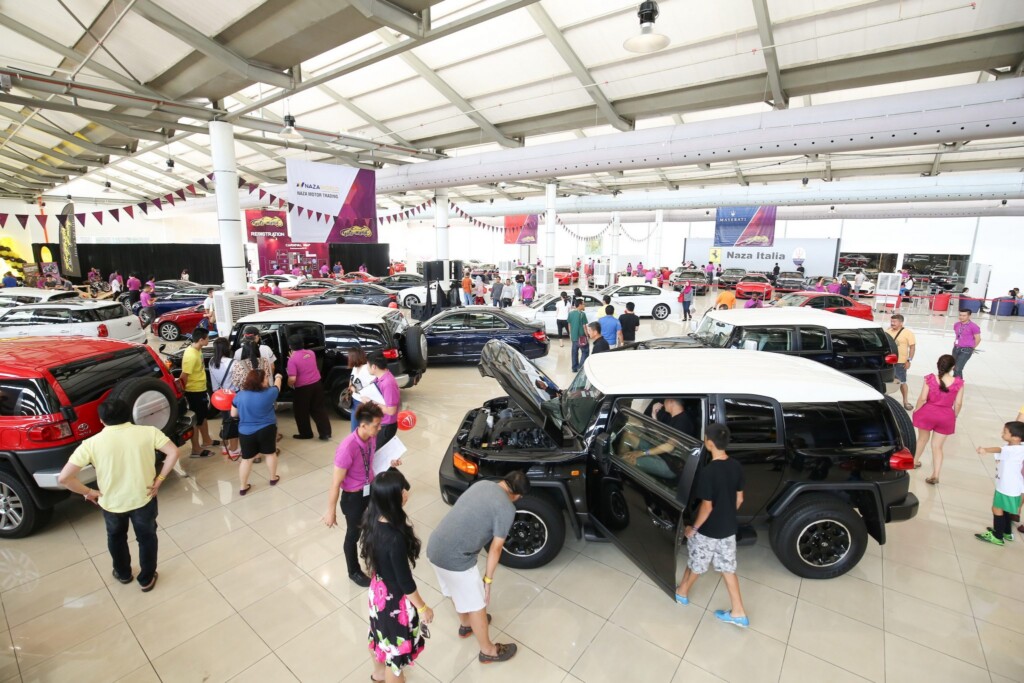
(791, 275)
(754, 278)
(542, 302)
(714, 333)
(734, 271)
(580, 401)
(790, 300)
(609, 290)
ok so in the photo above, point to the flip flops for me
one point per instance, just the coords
(152, 584)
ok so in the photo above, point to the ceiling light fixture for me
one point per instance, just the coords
(106, 186)
(648, 41)
(289, 132)
(170, 166)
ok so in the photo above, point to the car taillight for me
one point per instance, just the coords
(54, 431)
(391, 354)
(462, 465)
(393, 297)
(891, 358)
(540, 336)
(901, 460)
(101, 331)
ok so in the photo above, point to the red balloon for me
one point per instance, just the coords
(406, 420)
(393, 304)
(222, 399)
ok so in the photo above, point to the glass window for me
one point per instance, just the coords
(311, 334)
(648, 291)
(632, 435)
(26, 398)
(714, 333)
(63, 296)
(88, 380)
(18, 316)
(369, 337)
(766, 339)
(838, 425)
(580, 401)
(485, 321)
(859, 341)
(450, 323)
(837, 302)
(51, 316)
(751, 421)
(790, 300)
(813, 339)
(817, 302)
(867, 423)
(85, 315)
(111, 313)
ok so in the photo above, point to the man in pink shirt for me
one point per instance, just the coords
(966, 340)
(388, 388)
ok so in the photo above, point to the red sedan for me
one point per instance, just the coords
(310, 287)
(173, 325)
(566, 276)
(835, 303)
(356, 276)
(750, 285)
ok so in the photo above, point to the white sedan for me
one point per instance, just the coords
(543, 310)
(73, 317)
(418, 295)
(650, 301)
(866, 287)
(283, 281)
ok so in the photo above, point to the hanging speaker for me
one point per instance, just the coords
(433, 270)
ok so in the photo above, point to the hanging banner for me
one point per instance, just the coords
(745, 226)
(275, 249)
(347, 196)
(521, 229)
(69, 264)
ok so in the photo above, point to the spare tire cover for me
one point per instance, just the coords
(414, 346)
(150, 401)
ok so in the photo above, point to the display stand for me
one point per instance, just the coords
(887, 291)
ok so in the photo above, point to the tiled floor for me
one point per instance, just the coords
(254, 589)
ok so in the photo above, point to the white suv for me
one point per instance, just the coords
(16, 296)
(73, 317)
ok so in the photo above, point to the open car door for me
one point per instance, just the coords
(642, 503)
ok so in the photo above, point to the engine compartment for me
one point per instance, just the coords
(501, 425)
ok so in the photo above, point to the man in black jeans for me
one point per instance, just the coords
(122, 455)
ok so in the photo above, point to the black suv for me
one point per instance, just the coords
(330, 331)
(790, 281)
(822, 455)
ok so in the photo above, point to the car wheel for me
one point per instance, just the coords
(342, 406)
(819, 537)
(169, 332)
(19, 515)
(414, 348)
(661, 311)
(410, 301)
(150, 400)
(536, 536)
(908, 433)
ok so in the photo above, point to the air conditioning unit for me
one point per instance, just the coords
(229, 307)
(601, 275)
(546, 280)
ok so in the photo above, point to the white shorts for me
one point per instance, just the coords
(466, 588)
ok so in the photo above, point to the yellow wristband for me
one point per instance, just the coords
(160, 477)
(421, 609)
(488, 580)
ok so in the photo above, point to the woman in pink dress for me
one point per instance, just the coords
(935, 415)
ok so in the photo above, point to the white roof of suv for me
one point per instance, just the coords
(77, 303)
(790, 315)
(665, 372)
(328, 314)
(39, 294)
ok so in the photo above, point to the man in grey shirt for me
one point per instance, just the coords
(482, 515)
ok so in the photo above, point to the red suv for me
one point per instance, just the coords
(49, 395)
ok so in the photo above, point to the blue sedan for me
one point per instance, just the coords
(182, 298)
(459, 334)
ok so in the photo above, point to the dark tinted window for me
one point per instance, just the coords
(852, 341)
(750, 421)
(766, 339)
(85, 315)
(51, 316)
(111, 313)
(813, 339)
(837, 425)
(24, 398)
(87, 381)
(485, 321)
(349, 336)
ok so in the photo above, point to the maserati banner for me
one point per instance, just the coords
(521, 229)
(745, 226)
(338, 203)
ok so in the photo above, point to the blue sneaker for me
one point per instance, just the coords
(726, 616)
(682, 599)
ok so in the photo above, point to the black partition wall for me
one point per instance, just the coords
(375, 256)
(162, 261)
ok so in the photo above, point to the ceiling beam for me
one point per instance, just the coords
(361, 113)
(41, 165)
(392, 16)
(210, 47)
(78, 140)
(938, 156)
(254, 173)
(75, 161)
(739, 174)
(771, 59)
(439, 84)
(578, 68)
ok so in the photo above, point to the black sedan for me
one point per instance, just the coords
(730, 277)
(458, 335)
(400, 281)
(790, 281)
(371, 295)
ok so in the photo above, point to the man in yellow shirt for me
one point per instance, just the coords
(123, 455)
(906, 345)
(193, 382)
(726, 298)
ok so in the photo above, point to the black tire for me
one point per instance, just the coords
(169, 331)
(19, 515)
(151, 402)
(410, 300)
(660, 311)
(414, 348)
(341, 407)
(908, 433)
(819, 536)
(536, 536)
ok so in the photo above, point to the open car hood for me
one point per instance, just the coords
(519, 378)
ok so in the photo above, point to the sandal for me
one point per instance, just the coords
(932, 480)
(273, 482)
(233, 456)
(211, 445)
(908, 406)
(467, 631)
(152, 584)
(506, 651)
(202, 454)
(244, 491)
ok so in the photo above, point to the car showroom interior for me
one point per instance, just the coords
(555, 341)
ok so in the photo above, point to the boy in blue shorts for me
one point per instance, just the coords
(1009, 483)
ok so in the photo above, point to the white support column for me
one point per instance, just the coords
(550, 193)
(613, 257)
(441, 222)
(229, 215)
(659, 219)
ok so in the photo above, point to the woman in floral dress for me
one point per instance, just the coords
(390, 549)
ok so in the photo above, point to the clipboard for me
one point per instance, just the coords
(371, 393)
(392, 450)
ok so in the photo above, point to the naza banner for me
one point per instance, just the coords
(745, 226)
(521, 229)
(332, 203)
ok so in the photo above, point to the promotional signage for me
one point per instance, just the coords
(817, 256)
(338, 203)
(521, 229)
(745, 226)
(69, 244)
(269, 230)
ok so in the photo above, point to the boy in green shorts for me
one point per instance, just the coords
(1009, 482)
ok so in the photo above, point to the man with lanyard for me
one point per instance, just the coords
(353, 474)
(578, 339)
(906, 345)
(388, 388)
(965, 342)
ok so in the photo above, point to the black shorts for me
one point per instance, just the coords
(198, 403)
(261, 441)
(562, 325)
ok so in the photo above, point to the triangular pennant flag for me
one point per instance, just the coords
(291, 206)
(169, 198)
(61, 218)
(270, 198)
(116, 214)
(202, 181)
(80, 217)
(22, 218)
(41, 217)
(130, 210)
(3, 219)
(318, 215)
(241, 182)
(252, 188)
(263, 193)
(281, 203)
(181, 194)
(309, 213)
(143, 207)
(157, 204)
(209, 176)
(191, 188)
(98, 215)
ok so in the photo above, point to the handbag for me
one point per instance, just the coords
(229, 428)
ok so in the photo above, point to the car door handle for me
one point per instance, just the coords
(659, 521)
